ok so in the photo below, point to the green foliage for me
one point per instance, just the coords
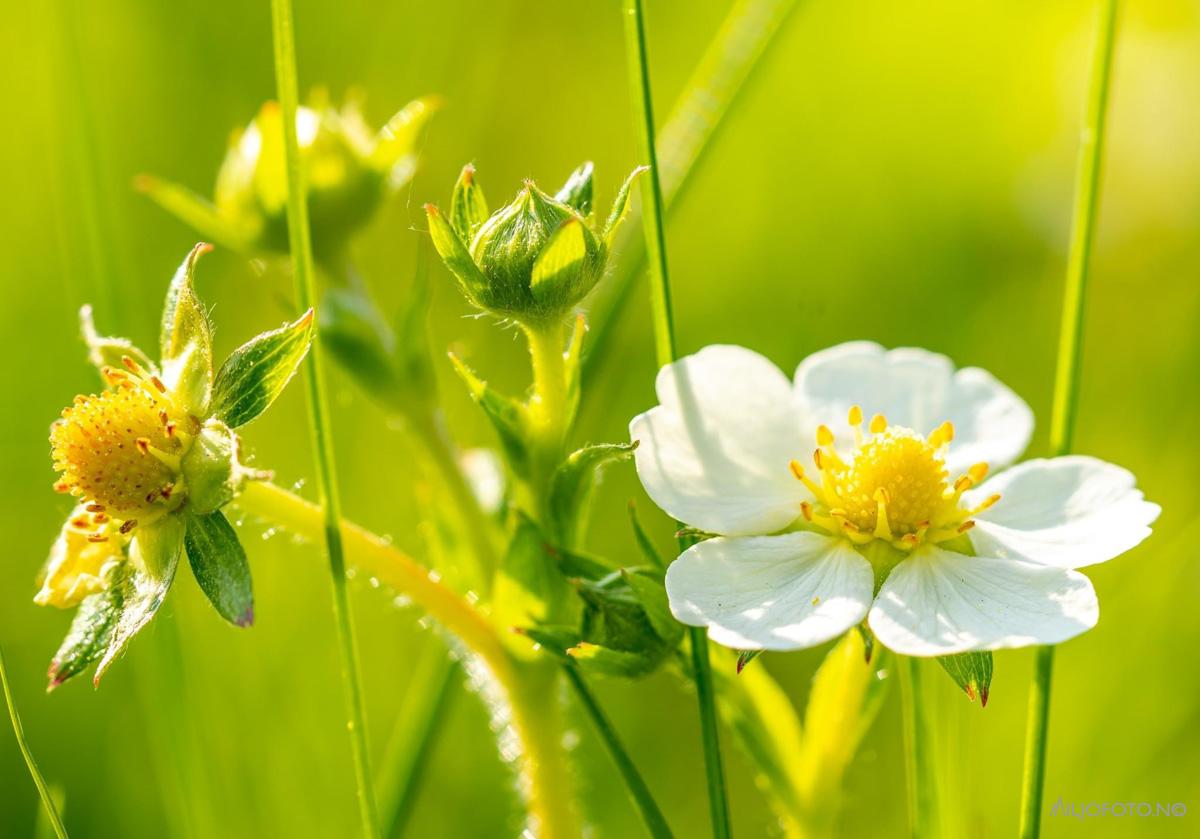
(506, 415)
(104, 351)
(468, 207)
(219, 565)
(91, 630)
(257, 372)
(576, 193)
(572, 483)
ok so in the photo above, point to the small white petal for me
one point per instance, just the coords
(715, 453)
(938, 602)
(771, 592)
(919, 390)
(1067, 512)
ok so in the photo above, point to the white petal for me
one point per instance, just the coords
(1068, 512)
(771, 592)
(919, 390)
(715, 453)
(938, 602)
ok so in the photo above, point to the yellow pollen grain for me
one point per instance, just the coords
(98, 447)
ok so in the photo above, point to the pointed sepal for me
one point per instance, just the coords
(972, 672)
(219, 565)
(186, 339)
(257, 372)
(90, 632)
(105, 351)
(621, 204)
(564, 269)
(468, 207)
(454, 253)
(577, 191)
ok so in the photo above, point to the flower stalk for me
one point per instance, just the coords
(1066, 379)
(664, 343)
(300, 245)
(918, 750)
(529, 699)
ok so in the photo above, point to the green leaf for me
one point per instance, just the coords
(90, 631)
(219, 564)
(561, 265)
(643, 540)
(257, 372)
(653, 598)
(530, 588)
(577, 191)
(972, 672)
(104, 351)
(621, 204)
(609, 662)
(468, 207)
(572, 483)
(506, 414)
(157, 551)
(454, 253)
(186, 339)
(194, 211)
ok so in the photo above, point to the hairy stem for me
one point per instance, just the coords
(530, 697)
(664, 344)
(300, 245)
(1066, 379)
(27, 753)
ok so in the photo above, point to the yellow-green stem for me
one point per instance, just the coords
(664, 343)
(531, 700)
(300, 245)
(1066, 379)
(548, 407)
(27, 753)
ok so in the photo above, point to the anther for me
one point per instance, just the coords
(856, 416)
(964, 483)
(878, 424)
(798, 471)
(978, 472)
(143, 444)
(942, 435)
(62, 486)
(965, 526)
(817, 458)
(95, 508)
(988, 502)
(97, 537)
(824, 436)
(157, 382)
(128, 525)
(806, 510)
(130, 364)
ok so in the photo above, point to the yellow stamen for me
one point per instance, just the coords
(942, 435)
(856, 416)
(878, 424)
(798, 471)
(824, 436)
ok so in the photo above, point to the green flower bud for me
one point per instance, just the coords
(348, 170)
(532, 260)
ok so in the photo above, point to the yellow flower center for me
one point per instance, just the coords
(120, 451)
(893, 486)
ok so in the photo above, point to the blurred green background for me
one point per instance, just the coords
(897, 172)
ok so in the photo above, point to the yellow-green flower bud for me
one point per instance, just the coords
(348, 170)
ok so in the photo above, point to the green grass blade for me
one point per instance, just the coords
(728, 64)
(300, 245)
(27, 753)
(1066, 379)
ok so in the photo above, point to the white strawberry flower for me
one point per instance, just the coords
(895, 519)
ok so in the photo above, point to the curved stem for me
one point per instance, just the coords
(918, 751)
(656, 823)
(300, 245)
(530, 698)
(1066, 379)
(664, 343)
(27, 753)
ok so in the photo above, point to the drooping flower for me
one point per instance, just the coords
(151, 459)
(348, 169)
(860, 490)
